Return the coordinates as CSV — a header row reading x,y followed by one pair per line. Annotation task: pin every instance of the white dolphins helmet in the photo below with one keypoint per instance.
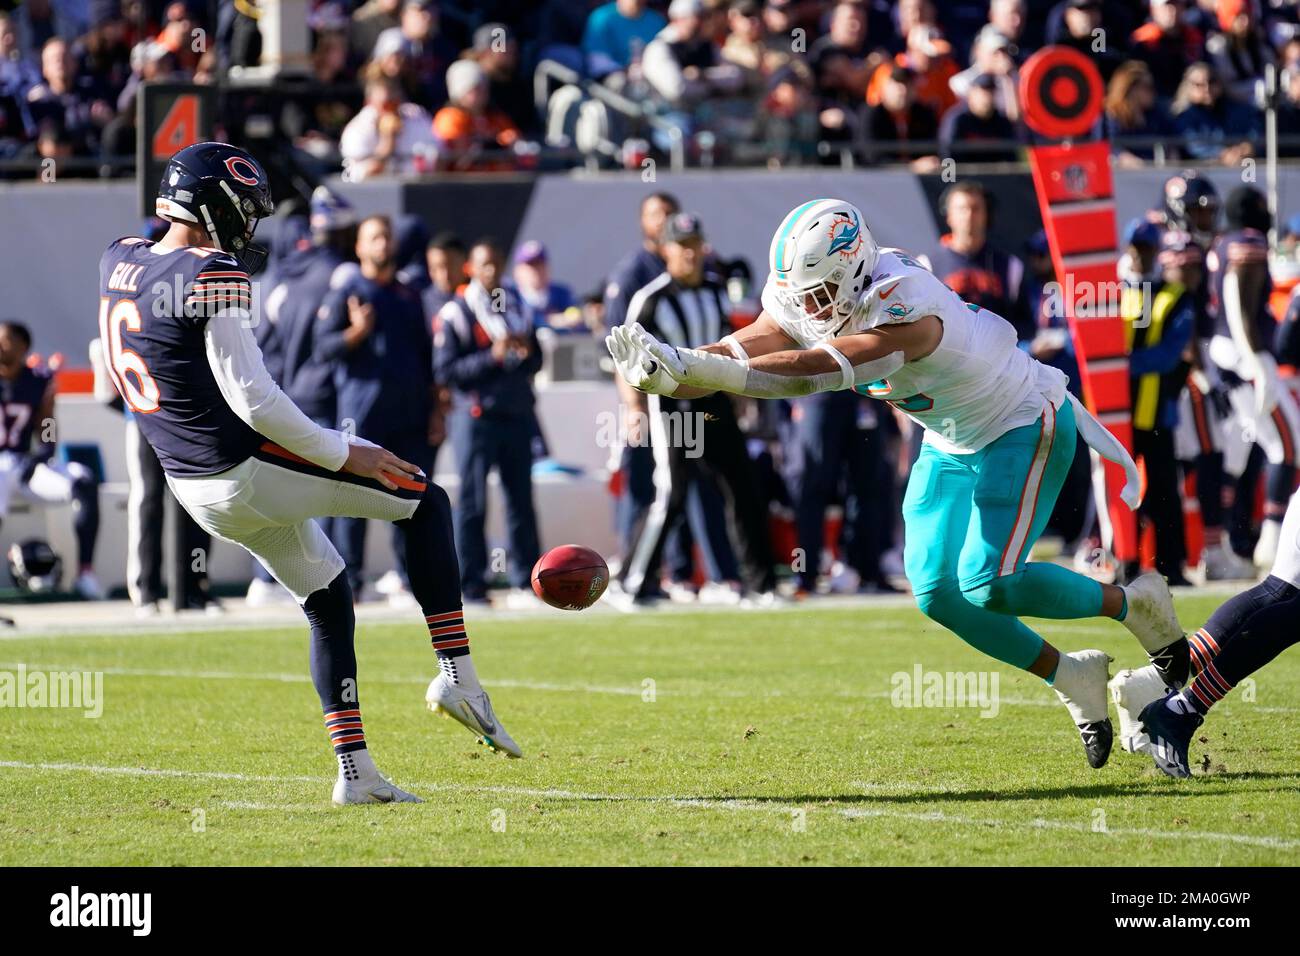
x,y
821,259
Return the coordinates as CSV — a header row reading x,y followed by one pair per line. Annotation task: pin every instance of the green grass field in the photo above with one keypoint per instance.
x,y
770,738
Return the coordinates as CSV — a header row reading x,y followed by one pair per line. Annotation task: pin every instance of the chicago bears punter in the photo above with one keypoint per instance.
x,y
176,318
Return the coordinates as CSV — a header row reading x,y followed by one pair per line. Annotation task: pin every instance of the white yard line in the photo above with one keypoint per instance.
x,y
938,816
1010,700
734,805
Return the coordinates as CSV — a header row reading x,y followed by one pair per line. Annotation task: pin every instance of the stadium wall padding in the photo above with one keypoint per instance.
x,y
52,235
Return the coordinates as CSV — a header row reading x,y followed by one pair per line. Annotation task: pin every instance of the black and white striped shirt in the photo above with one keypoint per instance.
x,y
681,316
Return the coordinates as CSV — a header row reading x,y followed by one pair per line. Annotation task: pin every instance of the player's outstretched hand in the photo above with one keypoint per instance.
x,y
638,368
649,345
371,461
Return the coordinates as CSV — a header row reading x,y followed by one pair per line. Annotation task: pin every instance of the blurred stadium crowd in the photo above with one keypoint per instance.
x,y
419,86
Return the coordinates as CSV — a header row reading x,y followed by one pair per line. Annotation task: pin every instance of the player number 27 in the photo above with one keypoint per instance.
x,y
127,368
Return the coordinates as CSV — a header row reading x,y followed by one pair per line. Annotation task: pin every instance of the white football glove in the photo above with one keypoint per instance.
x,y
666,355
637,366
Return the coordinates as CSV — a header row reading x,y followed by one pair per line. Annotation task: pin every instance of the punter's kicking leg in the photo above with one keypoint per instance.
x,y
302,559
267,505
422,510
938,513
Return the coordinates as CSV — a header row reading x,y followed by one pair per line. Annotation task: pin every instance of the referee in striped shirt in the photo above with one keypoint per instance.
x,y
685,307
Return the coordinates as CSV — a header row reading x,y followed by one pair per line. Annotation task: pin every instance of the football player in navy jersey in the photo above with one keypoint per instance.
x,y
1191,205
27,466
1264,410
176,318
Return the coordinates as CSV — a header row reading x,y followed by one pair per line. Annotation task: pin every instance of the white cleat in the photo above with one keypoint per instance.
x,y
88,586
1081,684
1132,690
1219,563
1270,532
1151,617
360,782
474,710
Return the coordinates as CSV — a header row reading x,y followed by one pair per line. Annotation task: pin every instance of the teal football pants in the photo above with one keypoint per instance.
x,y
970,522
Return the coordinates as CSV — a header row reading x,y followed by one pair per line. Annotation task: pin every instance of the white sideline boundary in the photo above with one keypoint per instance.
x,y
736,805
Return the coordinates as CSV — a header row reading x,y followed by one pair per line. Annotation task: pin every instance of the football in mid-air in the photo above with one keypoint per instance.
x,y
570,577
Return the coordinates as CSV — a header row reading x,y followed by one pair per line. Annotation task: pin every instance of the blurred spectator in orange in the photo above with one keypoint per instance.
x,y
899,118
181,37
928,56
1167,43
1133,111
389,135
470,123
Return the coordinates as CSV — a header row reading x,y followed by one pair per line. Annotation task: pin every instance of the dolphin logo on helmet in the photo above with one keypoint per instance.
x,y
822,257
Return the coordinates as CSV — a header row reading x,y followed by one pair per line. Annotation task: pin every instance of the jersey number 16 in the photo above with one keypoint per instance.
x,y
127,369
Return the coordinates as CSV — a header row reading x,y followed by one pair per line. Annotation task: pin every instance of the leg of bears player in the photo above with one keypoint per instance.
x,y
267,505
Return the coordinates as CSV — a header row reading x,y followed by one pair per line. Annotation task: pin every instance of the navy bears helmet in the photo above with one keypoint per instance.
x,y
222,190
1192,205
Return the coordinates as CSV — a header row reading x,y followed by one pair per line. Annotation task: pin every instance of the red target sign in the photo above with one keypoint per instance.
x,y
1061,92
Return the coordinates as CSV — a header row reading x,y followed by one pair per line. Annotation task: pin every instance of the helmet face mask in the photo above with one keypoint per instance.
x,y
222,190
822,256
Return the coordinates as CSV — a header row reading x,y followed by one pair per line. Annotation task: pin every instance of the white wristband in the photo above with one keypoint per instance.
x,y
738,350
846,367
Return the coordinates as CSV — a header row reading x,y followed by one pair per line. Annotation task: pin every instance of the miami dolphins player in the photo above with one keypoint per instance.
x,y
839,312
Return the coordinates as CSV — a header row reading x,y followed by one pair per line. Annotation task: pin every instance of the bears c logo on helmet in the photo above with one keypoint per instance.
x,y
249,176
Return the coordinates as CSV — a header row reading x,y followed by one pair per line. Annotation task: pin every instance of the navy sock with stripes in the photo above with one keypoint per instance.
x,y
1241,637
434,573
334,663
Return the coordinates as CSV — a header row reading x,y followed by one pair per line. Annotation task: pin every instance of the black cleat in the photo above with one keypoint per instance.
x,y
1170,734
1097,740
1174,663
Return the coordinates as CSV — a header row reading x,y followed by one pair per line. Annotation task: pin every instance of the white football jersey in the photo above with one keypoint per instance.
x,y
974,387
